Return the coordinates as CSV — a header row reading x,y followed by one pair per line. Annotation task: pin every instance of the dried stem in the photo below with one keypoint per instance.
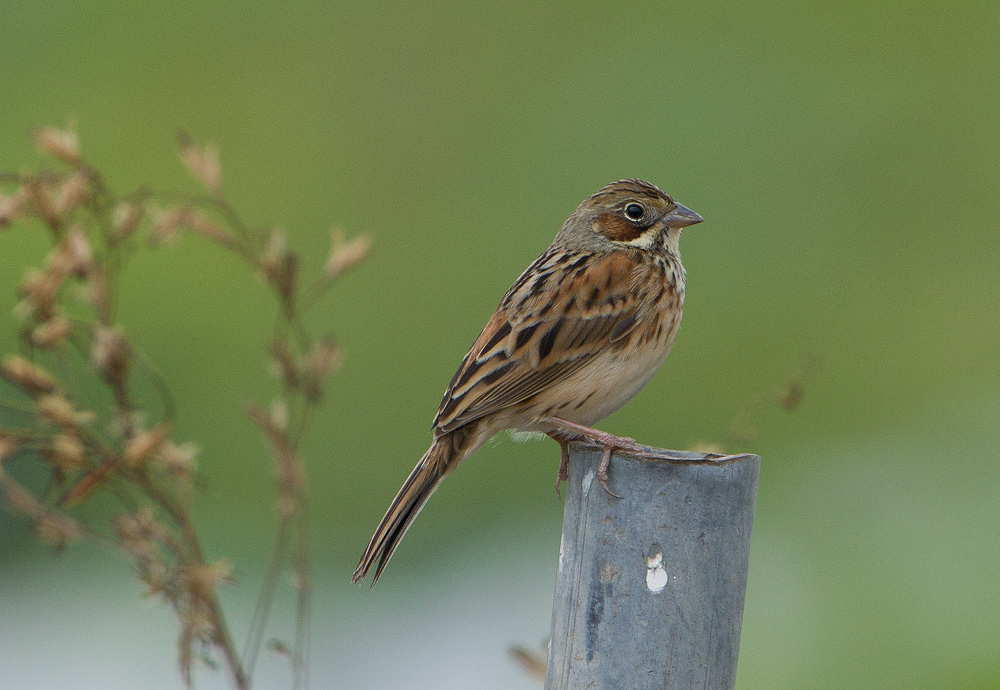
x,y
67,318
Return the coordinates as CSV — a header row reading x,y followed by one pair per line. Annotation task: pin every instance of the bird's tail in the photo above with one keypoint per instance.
x,y
403,510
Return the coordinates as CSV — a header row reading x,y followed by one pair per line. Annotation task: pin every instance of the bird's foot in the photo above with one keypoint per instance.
x,y
609,442
563,474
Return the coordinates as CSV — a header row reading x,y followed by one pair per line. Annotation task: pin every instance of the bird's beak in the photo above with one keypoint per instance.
x,y
681,217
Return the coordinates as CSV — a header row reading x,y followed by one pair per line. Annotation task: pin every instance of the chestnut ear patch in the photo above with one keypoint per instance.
x,y
616,228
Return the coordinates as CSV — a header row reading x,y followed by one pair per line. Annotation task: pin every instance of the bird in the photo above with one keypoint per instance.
x,y
578,334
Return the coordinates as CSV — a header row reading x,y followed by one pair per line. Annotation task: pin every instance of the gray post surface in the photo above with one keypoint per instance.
x,y
650,586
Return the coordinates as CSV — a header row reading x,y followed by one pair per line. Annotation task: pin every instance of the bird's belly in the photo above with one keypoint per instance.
x,y
599,389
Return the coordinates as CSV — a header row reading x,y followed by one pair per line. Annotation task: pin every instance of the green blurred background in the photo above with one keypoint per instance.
x,y
845,157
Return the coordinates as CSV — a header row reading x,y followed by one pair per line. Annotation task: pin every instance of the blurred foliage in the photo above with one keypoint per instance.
x,y
843,155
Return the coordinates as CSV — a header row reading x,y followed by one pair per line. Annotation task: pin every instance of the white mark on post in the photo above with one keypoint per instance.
x,y
588,479
656,574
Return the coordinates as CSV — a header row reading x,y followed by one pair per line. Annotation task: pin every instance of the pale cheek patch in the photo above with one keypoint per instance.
x,y
647,240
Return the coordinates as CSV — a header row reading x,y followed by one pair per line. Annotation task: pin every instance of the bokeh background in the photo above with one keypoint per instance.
x,y
845,157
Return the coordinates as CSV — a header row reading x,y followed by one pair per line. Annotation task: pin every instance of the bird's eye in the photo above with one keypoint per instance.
x,y
634,211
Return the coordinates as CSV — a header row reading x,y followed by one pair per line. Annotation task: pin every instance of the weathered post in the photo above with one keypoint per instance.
x,y
651,585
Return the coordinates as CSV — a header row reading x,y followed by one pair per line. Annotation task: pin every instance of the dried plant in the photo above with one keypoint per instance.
x,y
118,447
787,396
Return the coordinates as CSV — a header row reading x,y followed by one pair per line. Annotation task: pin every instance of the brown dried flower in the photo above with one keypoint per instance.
x,y
8,446
62,144
40,289
167,224
178,460
201,162
67,452
41,200
56,410
323,360
95,292
143,446
110,354
285,366
73,192
51,334
57,530
19,499
204,226
203,579
125,219
10,207
26,375
76,253
137,531
345,255
278,264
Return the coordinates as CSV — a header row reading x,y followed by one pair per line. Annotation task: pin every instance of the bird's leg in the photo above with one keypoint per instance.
x,y
609,442
602,471
571,431
563,474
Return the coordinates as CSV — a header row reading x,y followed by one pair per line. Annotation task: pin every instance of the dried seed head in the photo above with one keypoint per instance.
x,y
9,445
40,289
20,500
287,467
62,144
285,366
67,452
143,446
95,292
167,224
204,579
24,309
125,219
51,334
127,423
279,265
201,162
323,360
27,376
179,460
279,415
345,255
72,193
155,578
41,201
56,410
10,207
57,530
76,253
202,225
110,354
138,529
138,533
275,251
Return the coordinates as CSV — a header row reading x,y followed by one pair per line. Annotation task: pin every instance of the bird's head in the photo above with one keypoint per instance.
x,y
629,213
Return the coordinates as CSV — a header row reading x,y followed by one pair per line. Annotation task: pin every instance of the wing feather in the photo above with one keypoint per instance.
x,y
541,333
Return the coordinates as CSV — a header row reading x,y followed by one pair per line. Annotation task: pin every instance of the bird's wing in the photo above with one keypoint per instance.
x,y
564,310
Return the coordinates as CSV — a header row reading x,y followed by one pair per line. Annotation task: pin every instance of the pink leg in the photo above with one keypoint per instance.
x,y
608,441
563,474
602,471
611,443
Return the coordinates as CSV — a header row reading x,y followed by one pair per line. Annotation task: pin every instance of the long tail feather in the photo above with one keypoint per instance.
x,y
403,510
